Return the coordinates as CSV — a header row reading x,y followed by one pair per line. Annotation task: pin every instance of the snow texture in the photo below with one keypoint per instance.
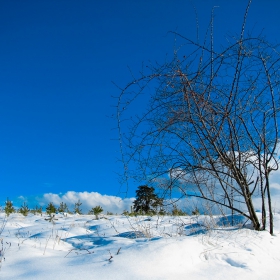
x,y
119,247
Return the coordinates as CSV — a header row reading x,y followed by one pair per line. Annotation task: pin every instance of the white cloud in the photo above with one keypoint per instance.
x,y
110,203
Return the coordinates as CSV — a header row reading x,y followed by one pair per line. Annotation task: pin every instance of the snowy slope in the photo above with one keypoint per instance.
x,y
118,247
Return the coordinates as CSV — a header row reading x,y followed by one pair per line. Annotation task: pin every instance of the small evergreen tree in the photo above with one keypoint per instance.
x,y
177,212
24,209
147,201
161,211
97,210
50,209
62,207
36,210
125,213
196,212
9,208
77,208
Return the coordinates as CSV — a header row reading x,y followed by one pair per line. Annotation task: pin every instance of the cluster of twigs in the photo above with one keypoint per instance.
x,y
211,127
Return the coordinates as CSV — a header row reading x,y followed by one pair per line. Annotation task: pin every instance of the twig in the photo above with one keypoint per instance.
x,y
110,259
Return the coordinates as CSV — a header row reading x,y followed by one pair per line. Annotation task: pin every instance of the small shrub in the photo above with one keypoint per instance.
x,y
97,210
177,212
151,213
37,210
24,209
131,214
51,209
162,212
9,208
125,213
62,208
77,208
195,212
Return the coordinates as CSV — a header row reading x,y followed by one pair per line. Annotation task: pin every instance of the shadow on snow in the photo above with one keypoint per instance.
x,y
221,222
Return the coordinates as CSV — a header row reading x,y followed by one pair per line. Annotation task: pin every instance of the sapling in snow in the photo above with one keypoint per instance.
x,y
97,210
62,208
24,209
9,208
77,208
51,209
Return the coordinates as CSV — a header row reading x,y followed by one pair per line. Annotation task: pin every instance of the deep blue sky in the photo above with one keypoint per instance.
x,y
57,61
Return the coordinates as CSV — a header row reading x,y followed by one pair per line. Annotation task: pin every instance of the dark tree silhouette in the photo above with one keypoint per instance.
x,y
146,200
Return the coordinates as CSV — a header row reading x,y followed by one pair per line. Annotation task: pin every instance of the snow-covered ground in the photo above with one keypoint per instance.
x,y
119,247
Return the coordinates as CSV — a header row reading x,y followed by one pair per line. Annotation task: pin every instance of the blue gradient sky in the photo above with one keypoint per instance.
x,y
57,61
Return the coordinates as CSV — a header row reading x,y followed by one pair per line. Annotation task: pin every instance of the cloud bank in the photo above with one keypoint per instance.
x,y
109,203
117,205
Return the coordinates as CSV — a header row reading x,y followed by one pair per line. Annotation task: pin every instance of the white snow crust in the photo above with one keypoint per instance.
x,y
120,247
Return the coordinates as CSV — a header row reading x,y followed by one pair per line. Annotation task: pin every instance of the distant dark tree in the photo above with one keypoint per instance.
x,y
146,200
50,209
9,208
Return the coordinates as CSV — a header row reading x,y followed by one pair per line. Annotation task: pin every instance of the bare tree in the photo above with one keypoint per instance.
x,y
211,127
